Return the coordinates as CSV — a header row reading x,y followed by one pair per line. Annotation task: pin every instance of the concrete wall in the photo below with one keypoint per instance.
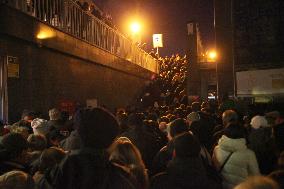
x,y
62,67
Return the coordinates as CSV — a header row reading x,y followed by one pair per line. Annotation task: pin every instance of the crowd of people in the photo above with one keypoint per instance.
x,y
163,141
92,9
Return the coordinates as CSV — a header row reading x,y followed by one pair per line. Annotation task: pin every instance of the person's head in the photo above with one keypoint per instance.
x,y
16,180
125,153
186,145
50,157
27,115
135,120
229,116
234,131
14,147
122,121
258,122
54,114
163,127
176,127
37,142
54,137
64,116
258,182
195,106
39,126
97,127
193,116
24,131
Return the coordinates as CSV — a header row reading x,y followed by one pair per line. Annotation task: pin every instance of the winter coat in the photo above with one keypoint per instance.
x,y
279,136
73,142
89,168
6,166
261,142
183,173
162,158
240,165
145,141
203,129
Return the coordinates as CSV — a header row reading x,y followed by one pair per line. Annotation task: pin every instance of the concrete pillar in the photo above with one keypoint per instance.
x,y
193,74
224,47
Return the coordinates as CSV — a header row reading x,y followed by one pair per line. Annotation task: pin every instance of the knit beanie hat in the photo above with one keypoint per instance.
x,y
258,121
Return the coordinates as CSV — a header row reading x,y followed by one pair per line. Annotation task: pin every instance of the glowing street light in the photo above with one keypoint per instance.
x,y
212,55
135,27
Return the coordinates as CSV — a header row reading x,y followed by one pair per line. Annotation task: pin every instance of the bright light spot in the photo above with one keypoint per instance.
x,y
212,55
45,33
135,27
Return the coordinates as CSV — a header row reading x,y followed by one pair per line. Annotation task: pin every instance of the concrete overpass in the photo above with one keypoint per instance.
x,y
54,53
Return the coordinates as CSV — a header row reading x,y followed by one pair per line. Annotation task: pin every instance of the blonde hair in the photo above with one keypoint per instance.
x,y
16,180
127,156
122,151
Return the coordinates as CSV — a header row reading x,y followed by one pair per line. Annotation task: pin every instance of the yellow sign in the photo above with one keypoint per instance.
x,y
13,67
157,40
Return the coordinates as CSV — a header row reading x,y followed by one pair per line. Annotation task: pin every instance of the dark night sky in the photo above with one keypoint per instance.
x,y
168,17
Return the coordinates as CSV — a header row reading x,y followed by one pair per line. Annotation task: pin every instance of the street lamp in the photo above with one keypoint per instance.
x,y
212,55
135,27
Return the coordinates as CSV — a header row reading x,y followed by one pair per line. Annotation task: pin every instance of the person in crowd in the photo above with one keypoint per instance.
x,y
24,131
192,117
232,157
16,180
261,142
26,119
162,158
55,122
13,153
36,144
45,177
54,138
39,126
258,182
195,107
278,131
142,138
229,116
122,120
89,167
206,127
72,142
278,174
125,155
185,170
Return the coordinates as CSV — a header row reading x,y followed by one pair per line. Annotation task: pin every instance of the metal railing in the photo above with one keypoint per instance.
x,y
69,17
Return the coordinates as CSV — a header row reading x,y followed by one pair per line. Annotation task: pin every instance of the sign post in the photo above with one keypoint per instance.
x,y
157,41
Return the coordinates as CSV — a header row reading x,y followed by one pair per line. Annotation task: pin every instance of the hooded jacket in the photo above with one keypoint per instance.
x,y
182,173
240,165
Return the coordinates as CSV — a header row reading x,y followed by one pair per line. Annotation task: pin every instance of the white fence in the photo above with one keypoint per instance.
x,y
68,16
